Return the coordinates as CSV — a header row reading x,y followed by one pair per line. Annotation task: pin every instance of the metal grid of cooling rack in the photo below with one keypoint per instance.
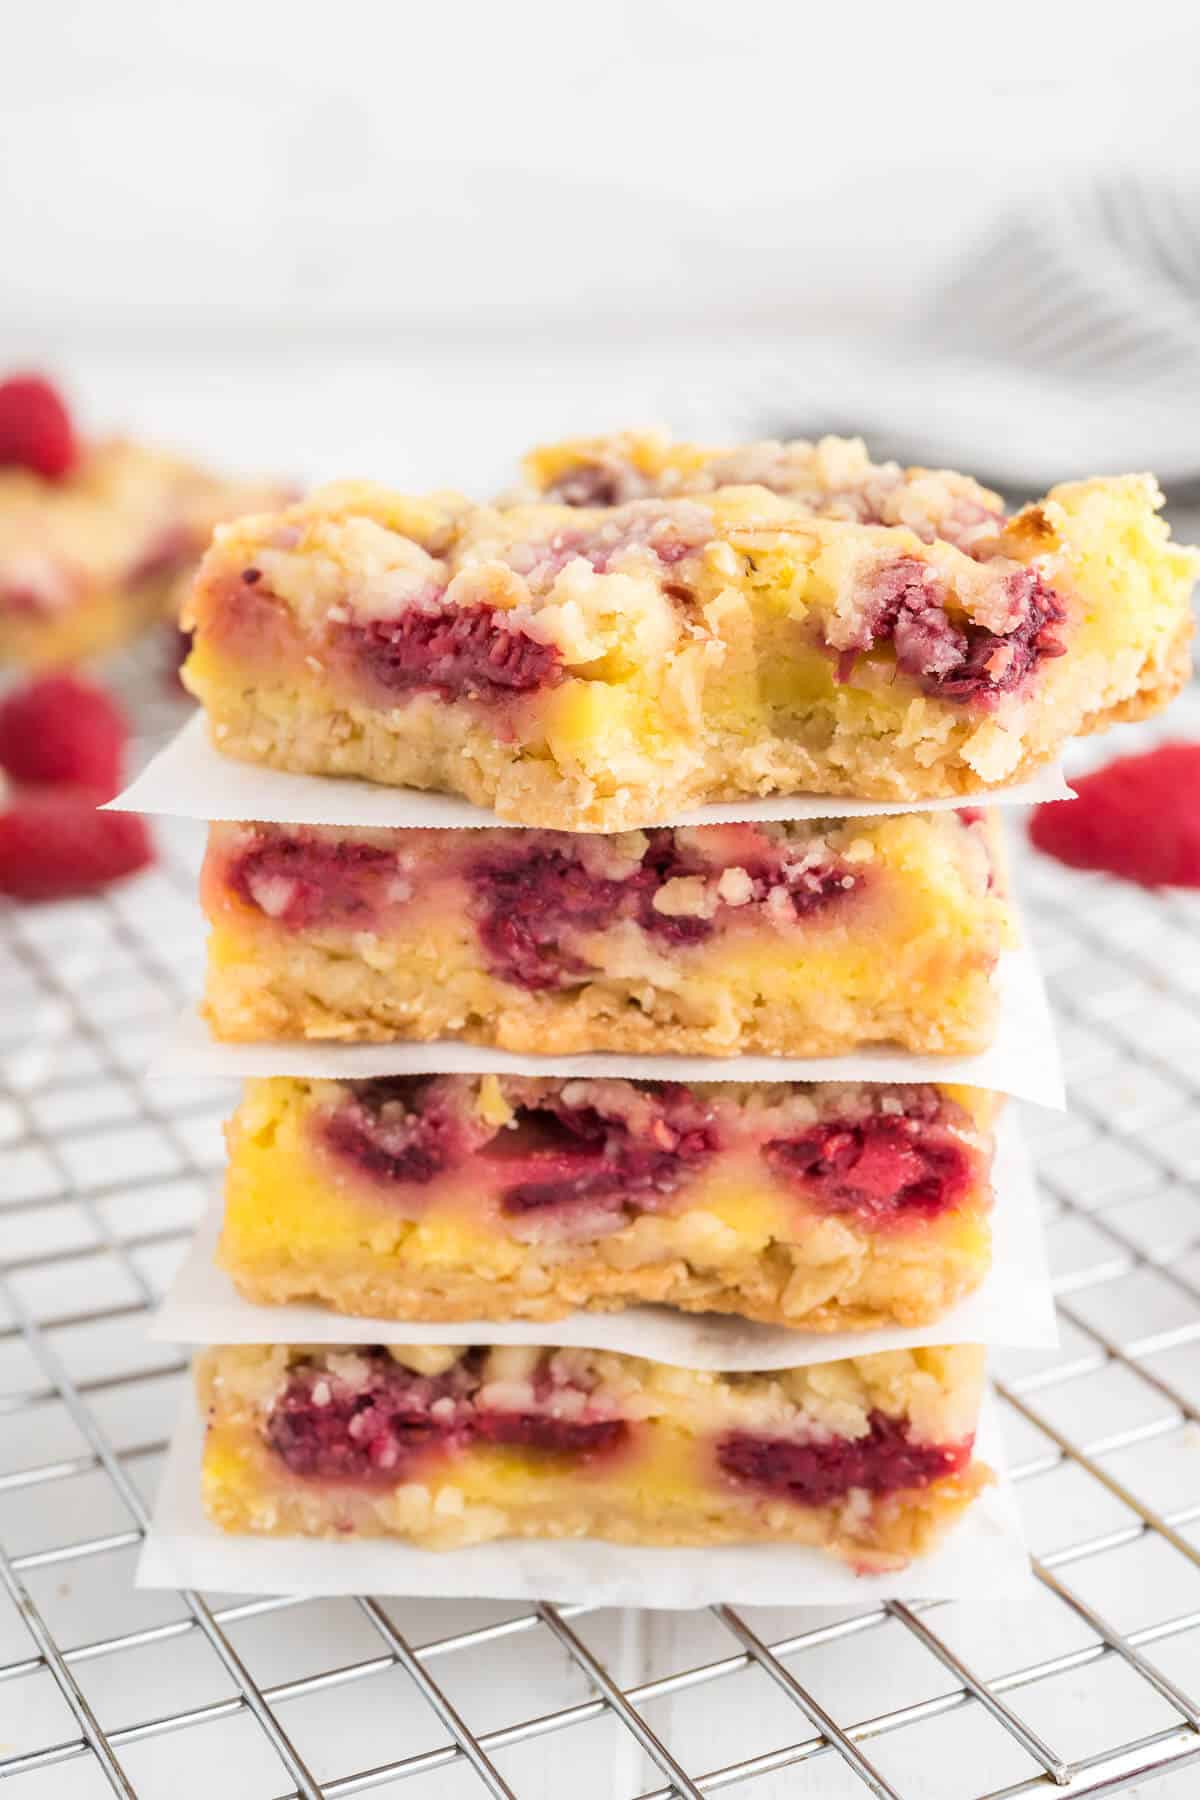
x,y
1085,1683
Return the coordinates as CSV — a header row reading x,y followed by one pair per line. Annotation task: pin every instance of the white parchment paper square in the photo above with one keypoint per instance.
x,y
1013,1306
1022,1059
984,1555
189,779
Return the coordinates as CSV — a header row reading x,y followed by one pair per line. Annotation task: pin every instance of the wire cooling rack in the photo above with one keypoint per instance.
x,y
1083,1683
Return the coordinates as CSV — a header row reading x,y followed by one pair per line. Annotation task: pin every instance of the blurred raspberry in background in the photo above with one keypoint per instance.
x,y
62,752
1138,817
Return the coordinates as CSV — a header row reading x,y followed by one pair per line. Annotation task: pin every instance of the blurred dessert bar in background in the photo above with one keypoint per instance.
x,y
96,538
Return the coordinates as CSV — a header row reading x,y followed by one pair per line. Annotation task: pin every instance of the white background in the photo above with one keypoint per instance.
x,y
405,239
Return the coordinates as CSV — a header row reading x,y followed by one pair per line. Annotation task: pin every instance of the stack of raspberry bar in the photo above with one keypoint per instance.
x,y
641,631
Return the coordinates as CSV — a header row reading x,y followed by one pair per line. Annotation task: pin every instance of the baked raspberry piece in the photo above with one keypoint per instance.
x,y
869,1458
906,606
653,628
1138,818
822,1470
373,1422
889,1168
807,938
400,1129
528,904
813,1205
586,1148
371,1418
580,1439
468,650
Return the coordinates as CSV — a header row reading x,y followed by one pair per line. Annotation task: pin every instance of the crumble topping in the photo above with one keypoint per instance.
x,y
833,478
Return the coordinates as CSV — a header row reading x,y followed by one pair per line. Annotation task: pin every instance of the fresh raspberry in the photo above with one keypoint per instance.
x,y
54,844
61,729
35,427
1138,817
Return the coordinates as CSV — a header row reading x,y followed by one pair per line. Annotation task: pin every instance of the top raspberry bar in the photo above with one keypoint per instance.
x,y
657,626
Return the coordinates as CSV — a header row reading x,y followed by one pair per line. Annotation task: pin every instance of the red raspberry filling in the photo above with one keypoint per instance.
x,y
324,1426
397,1128
589,1171
304,881
821,1471
455,652
882,1169
582,1438
528,905
1139,818
382,1431
661,863
951,662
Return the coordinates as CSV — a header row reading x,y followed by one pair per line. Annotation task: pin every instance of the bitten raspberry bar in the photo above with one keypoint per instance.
x,y
822,1206
596,666
798,939
870,1457
95,553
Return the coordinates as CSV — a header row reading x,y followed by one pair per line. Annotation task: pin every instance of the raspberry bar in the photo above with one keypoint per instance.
x,y
870,1458
861,631
807,938
95,553
822,1206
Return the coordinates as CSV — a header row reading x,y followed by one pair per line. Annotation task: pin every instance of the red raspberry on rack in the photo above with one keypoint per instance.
x,y
54,844
35,427
1138,817
61,729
